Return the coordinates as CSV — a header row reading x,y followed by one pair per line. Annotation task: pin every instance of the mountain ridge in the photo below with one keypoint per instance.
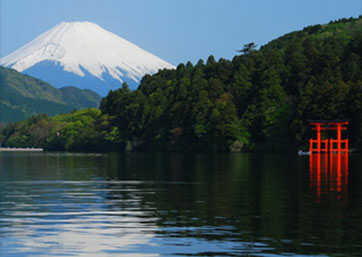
x,y
85,53
22,96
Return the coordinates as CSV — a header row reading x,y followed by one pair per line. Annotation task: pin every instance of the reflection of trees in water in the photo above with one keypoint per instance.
x,y
249,198
215,197
137,200
188,190
227,197
50,166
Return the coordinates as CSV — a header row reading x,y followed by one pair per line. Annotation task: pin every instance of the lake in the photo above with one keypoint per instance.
x,y
137,204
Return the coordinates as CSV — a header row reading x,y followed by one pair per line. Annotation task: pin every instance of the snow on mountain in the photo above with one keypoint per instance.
x,y
85,55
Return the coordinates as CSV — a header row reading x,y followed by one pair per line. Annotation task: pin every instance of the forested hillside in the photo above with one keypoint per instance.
x,y
261,99
22,96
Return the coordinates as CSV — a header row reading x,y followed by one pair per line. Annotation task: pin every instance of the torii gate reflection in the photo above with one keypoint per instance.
x,y
329,174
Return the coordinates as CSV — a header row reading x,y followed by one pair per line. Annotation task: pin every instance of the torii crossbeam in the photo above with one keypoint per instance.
x,y
332,145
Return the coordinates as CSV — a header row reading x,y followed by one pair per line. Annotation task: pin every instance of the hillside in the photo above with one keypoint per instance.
x,y
259,100
22,96
262,99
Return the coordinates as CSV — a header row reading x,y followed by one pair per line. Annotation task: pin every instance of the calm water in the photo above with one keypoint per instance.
x,y
58,204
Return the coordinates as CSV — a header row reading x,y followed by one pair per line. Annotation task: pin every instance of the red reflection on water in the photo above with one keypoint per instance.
x,y
328,175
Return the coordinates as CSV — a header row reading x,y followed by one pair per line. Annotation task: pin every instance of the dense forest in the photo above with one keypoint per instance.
x,y
260,100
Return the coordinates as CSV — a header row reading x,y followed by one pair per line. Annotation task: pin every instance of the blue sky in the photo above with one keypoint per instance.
x,y
175,30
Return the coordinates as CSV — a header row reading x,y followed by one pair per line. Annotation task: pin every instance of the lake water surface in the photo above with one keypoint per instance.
x,y
62,204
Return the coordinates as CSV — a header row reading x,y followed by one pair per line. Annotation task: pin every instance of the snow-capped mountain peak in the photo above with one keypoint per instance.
x,y
71,51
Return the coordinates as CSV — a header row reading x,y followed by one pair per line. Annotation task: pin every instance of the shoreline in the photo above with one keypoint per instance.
x,y
27,149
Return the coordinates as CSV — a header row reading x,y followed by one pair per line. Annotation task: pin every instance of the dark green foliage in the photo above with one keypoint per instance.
x,y
22,96
260,97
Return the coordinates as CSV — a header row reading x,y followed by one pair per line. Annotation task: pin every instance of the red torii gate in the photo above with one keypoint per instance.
x,y
325,145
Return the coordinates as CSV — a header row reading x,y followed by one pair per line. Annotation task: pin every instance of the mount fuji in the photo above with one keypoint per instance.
x,y
84,55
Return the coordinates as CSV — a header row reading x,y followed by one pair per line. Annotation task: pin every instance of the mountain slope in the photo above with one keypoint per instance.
x,y
79,98
22,96
84,55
